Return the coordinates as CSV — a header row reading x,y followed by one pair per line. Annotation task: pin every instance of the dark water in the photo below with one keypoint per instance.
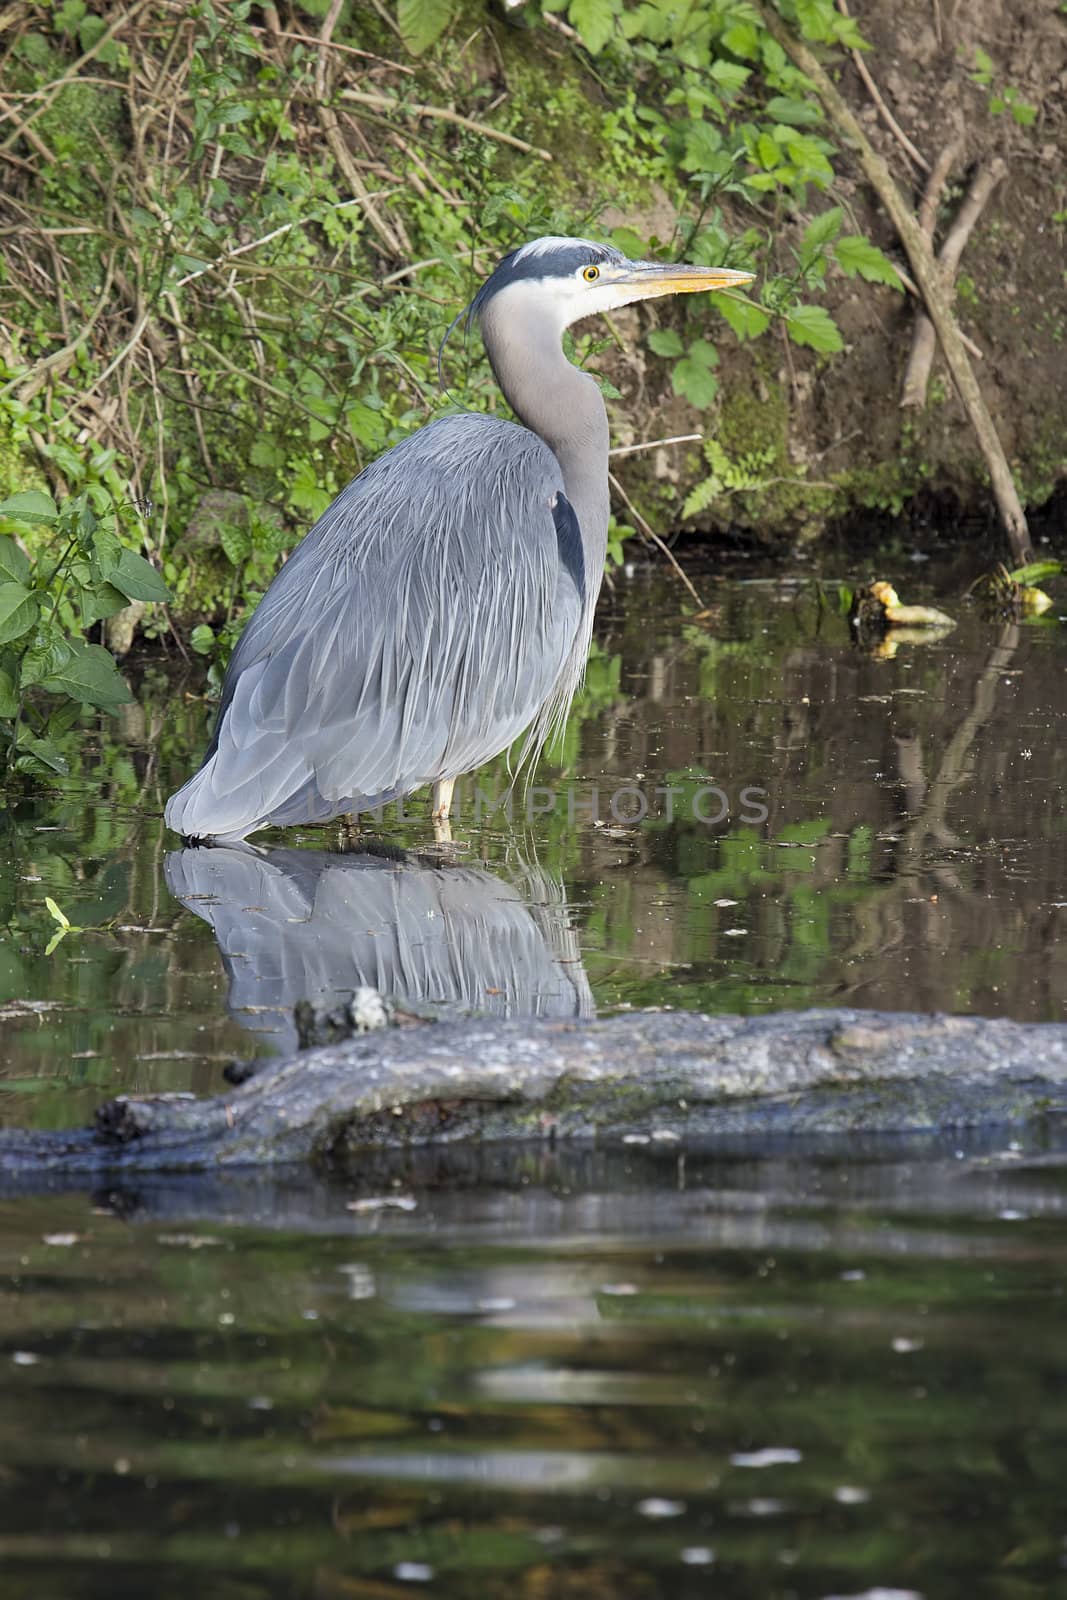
x,y
775,1372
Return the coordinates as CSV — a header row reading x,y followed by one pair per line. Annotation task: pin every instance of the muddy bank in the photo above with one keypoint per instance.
x,y
655,1078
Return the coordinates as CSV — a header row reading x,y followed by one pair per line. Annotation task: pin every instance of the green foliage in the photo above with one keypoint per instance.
x,y
63,569
236,326
728,475
1001,99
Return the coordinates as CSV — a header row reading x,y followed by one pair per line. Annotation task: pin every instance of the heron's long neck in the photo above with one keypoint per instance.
x,y
564,406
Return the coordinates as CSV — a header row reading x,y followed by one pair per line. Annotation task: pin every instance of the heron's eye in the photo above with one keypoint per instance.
x,y
591,274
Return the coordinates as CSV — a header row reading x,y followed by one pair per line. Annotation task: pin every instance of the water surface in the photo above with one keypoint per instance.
x,y
749,812
776,1371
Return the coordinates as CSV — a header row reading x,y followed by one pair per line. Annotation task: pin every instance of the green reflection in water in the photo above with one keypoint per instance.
x,y
913,854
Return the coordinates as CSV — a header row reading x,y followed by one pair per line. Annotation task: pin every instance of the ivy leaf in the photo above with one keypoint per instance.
x,y
665,342
92,677
422,22
14,567
595,21
815,327
29,505
136,578
747,319
18,611
693,378
857,254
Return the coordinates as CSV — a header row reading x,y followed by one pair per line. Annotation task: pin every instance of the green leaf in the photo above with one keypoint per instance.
x,y
236,542
693,377
595,21
367,425
202,639
816,18
814,326
44,753
806,154
422,22
856,254
665,342
48,654
702,145
29,505
742,39
136,578
9,700
18,611
265,453
100,600
729,76
796,113
768,152
92,677
14,566
60,916
747,319
821,230
1036,572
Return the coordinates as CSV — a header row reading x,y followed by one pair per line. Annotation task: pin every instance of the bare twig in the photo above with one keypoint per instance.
x,y
332,44
913,155
923,344
187,373
28,383
650,533
654,444
31,135
276,233
388,102
392,237
928,277
935,184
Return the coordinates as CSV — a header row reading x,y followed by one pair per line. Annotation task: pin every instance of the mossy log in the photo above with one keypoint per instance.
x,y
651,1077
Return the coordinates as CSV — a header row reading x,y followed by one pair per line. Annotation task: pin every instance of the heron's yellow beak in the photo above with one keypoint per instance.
x,y
644,280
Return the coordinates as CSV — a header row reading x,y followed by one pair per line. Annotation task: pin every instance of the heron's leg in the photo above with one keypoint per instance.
x,y
442,831
442,799
348,826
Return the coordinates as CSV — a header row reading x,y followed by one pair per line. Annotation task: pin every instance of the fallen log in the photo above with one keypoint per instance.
x,y
649,1078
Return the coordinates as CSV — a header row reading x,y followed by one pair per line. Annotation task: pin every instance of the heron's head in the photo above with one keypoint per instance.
x,y
558,281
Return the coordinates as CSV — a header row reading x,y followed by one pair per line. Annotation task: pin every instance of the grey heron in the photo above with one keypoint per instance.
x,y
443,604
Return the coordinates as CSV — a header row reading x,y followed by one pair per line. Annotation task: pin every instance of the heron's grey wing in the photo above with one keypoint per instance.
x,y
419,628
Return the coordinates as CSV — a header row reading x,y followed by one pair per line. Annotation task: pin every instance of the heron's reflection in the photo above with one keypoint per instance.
x,y
309,925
